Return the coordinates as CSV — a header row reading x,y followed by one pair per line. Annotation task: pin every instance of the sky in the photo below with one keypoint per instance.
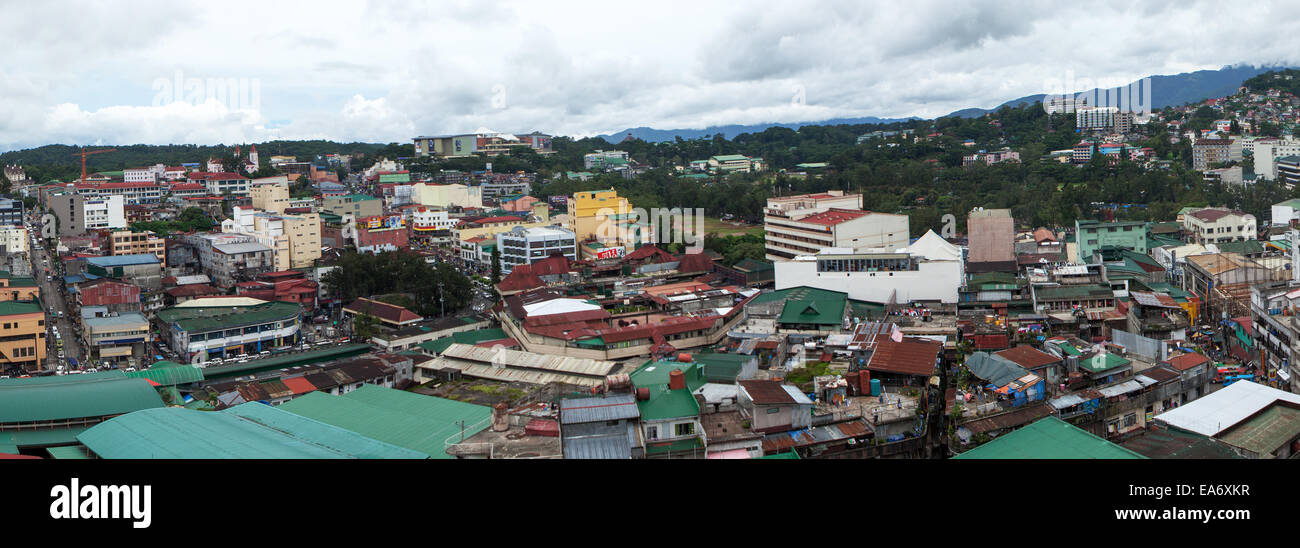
x,y
174,71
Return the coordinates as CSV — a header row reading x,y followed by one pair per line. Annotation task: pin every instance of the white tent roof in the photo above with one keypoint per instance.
x,y
559,306
933,247
1216,412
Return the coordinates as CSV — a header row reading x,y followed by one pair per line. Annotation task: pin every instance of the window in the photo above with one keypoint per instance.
x,y
652,432
772,410
1130,420
684,429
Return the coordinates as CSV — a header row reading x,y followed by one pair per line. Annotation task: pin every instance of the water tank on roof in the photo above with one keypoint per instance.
x,y
684,357
875,387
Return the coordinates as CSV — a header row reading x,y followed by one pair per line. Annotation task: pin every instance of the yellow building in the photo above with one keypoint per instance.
x,y
22,334
600,215
18,289
270,194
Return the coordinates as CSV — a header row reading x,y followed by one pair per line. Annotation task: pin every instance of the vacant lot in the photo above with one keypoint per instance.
x,y
727,228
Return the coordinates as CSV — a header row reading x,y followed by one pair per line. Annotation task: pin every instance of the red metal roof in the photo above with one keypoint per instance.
x,y
910,357
520,278
833,217
767,392
1028,357
299,385
1187,361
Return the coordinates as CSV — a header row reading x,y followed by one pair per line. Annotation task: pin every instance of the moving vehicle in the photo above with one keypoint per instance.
x,y
1224,372
1229,380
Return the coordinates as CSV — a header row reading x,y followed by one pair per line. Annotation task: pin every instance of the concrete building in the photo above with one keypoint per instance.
x,y
221,183
143,269
204,329
77,214
357,205
1215,225
230,258
1266,154
595,215
806,224
447,196
1211,151
11,212
992,241
929,270
125,242
1095,117
295,240
1284,213
13,240
528,245
604,159
115,337
1091,236
270,194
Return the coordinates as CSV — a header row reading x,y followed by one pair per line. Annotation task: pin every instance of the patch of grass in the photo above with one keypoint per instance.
x,y
803,376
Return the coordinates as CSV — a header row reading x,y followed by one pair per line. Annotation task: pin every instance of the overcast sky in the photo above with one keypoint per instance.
x,y
382,71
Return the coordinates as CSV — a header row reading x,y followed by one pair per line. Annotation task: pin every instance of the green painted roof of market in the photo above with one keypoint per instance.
x,y
285,360
439,346
246,431
816,310
1049,438
73,399
665,403
169,376
414,421
208,318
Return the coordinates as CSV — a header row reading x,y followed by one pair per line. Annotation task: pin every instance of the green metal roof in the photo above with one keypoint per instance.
x,y
8,308
1103,362
1074,292
285,360
169,376
202,319
246,431
1246,247
69,452
46,437
782,456
465,337
814,311
359,197
1049,438
665,403
690,444
414,421
64,379
96,397
720,368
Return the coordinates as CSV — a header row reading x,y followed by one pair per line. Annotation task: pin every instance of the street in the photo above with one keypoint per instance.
x,y
52,298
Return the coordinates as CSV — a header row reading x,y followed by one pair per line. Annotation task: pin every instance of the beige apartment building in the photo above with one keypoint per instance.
x,y
270,194
125,242
1214,225
293,239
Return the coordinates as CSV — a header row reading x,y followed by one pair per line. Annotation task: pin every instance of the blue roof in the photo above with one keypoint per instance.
x,y
124,260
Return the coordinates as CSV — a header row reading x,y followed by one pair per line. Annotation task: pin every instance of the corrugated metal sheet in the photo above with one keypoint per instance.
x,y
604,447
170,376
529,360
609,408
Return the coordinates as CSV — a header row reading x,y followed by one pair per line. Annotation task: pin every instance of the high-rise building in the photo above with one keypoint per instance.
x,y
806,224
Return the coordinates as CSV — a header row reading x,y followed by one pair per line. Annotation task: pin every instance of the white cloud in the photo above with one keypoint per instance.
x,y
387,70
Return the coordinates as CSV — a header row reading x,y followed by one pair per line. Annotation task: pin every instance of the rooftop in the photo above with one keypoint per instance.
x,y
1049,438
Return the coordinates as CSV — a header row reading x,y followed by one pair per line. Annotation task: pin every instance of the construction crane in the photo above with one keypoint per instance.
x,y
83,154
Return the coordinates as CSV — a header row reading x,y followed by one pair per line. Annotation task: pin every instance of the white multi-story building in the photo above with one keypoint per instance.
x,y
13,240
150,174
809,223
222,183
1095,117
603,158
1064,104
528,245
929,270
1267,152
1216,224
104,212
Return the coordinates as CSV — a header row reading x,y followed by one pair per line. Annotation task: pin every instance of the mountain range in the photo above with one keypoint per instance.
x,y
1166,90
